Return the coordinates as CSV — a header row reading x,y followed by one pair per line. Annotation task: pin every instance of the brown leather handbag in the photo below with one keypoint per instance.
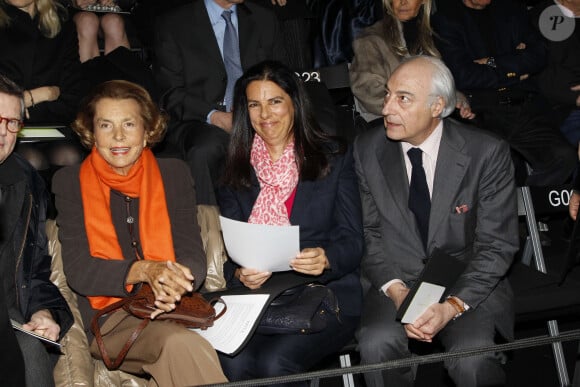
x,y
193,311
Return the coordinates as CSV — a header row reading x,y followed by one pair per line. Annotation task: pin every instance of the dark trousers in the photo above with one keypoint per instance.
x,y
203,147
39,362
276,355
526,126
381,338
11,362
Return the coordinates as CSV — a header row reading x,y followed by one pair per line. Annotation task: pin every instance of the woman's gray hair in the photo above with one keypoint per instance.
x,y
442,83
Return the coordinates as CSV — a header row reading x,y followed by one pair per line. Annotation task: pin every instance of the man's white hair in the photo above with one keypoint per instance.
x,y
442,82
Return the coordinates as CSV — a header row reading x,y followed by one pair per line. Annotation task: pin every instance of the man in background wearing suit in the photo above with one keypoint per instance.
x,y
494,53
193,75
469,211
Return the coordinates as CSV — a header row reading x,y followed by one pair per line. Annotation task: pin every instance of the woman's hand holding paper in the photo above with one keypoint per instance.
x,y
252,278
311,261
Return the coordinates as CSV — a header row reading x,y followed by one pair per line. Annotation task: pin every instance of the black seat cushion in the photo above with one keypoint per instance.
x,y
540,296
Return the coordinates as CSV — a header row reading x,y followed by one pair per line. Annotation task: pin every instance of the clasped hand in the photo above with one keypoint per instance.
x,y
428,324
168,280
311,261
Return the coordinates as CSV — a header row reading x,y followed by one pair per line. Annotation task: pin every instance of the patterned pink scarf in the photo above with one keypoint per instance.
x,y
277,182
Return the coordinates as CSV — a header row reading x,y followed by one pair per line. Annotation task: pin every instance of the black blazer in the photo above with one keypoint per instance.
x,y
328,212
189,68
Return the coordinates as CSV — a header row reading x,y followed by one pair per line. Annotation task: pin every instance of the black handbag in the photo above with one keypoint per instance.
x,y
300,310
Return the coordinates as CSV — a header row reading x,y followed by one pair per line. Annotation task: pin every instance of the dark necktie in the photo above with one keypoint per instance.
x,y
419,200
231,58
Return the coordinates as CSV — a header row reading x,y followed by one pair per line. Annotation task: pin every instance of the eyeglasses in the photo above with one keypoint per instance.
x,y
12,124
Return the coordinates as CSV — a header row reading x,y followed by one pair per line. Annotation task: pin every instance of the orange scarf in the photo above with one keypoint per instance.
x,y
144,181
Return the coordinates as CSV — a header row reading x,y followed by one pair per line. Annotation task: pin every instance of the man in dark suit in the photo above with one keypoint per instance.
x,y
494,52
560,79
468,182
192,77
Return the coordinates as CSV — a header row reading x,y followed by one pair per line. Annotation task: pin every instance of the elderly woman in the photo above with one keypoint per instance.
x,y
404,30
281,169
126,218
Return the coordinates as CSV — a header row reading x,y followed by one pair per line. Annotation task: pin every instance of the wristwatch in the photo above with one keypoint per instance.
x,y
491,62
457,306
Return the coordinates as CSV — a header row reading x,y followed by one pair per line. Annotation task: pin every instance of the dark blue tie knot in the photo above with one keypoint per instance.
x,y
416,157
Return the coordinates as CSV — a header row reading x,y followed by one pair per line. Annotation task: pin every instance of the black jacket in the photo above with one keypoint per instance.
x,y
460,42
32,60
34,289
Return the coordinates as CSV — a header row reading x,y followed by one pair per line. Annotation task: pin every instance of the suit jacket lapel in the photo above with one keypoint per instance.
x,y
396,182
452,163
200,18
304,192
246,28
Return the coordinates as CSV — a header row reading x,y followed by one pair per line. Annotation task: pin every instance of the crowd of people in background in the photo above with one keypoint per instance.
x,y
480,90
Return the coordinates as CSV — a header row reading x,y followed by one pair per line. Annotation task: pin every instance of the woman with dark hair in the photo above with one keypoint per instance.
x,y
126,218
282,169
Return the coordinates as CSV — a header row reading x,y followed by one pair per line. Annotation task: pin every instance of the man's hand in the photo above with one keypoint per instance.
x,y
281,3
222,119
311,261
252,278
481,60
574,204
43,324
397,292
435,318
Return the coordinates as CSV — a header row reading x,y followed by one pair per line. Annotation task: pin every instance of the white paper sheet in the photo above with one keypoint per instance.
x,y
230,331
259,246
426,295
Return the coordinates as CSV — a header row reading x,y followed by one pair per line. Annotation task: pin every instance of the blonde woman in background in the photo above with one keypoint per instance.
x,y
404,30
40,54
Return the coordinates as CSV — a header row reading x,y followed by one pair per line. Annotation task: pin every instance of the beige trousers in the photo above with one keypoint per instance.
x,y
173,355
